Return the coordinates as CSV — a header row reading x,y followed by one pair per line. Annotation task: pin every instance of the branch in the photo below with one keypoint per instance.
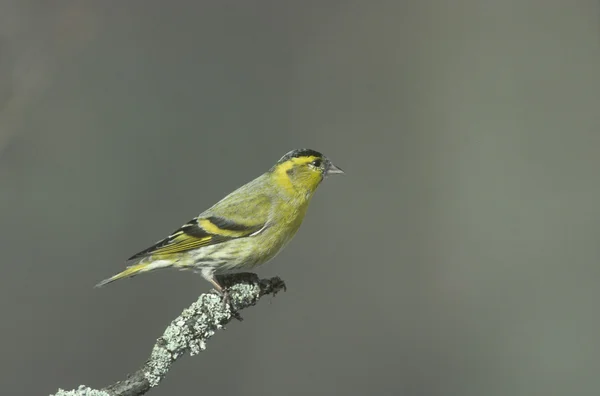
x,y
189,333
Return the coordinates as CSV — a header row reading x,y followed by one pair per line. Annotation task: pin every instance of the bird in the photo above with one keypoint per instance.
x,y
246,228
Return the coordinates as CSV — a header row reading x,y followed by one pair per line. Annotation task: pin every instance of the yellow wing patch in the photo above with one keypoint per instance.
x,y
208,226
198,233
180,242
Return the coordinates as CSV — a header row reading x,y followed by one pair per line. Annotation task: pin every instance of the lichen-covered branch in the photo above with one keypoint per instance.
x,y
189,333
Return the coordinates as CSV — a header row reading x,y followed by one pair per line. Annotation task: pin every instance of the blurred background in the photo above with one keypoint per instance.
x,y
458,256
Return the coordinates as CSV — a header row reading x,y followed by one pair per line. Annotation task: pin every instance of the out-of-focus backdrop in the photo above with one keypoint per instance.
x,y
458,256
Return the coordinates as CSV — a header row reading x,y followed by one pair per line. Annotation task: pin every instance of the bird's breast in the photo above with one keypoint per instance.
x,y
277,234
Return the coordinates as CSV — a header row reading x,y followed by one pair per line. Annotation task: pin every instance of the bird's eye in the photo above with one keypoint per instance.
x,y
316,163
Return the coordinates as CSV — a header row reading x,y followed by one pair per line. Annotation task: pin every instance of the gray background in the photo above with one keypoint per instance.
x,y
459,256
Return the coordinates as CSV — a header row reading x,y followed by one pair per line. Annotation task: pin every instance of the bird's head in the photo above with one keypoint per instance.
x,y
302,170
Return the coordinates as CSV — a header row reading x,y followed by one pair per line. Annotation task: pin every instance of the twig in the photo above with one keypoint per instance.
x,y
189,333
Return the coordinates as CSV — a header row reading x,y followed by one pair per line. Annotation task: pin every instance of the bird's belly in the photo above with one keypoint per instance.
x,y
237,255
264,249
244,254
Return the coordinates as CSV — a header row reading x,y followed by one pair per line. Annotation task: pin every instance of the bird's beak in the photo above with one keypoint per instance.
x,y
333,170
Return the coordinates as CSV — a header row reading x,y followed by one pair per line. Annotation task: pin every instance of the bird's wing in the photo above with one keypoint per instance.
x,y
231,218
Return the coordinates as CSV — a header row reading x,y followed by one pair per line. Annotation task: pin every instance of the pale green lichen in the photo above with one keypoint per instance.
x,y
196,324
81,391
190,331
245,295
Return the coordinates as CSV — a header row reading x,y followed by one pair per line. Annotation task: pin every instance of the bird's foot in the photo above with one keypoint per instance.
x,y
227,303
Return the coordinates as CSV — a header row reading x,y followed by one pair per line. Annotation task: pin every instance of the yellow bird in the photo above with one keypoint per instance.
x,y
245,229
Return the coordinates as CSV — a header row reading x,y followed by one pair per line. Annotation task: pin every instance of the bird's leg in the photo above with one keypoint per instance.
x,y
224,292
209,276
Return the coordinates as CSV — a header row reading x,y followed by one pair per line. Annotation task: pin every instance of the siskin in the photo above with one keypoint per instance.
x,y
245,229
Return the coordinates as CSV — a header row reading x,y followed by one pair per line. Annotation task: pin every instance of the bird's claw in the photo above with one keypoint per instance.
x,y
227,302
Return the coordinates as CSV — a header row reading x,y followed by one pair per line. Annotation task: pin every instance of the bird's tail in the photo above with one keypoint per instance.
x,y
132,271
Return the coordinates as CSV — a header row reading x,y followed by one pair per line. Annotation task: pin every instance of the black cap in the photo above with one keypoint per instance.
x,y
300,153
